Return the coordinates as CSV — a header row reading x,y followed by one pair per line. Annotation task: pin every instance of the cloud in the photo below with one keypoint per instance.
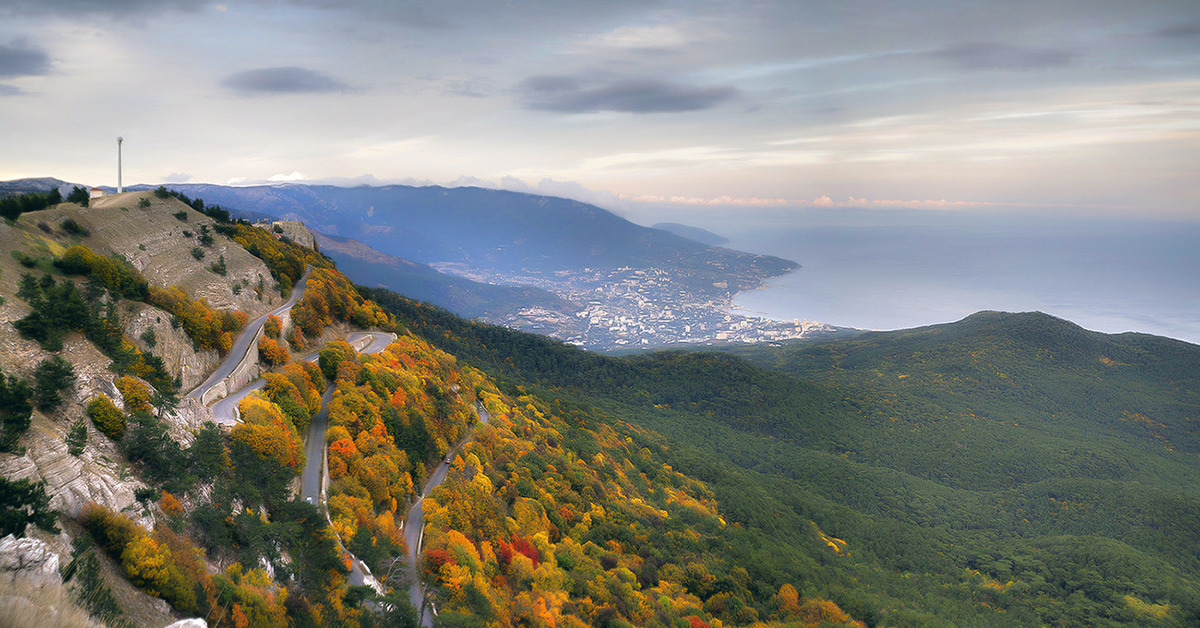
x,y
8,90
287,178
97,7
993,56
283,80
20,59
566,94
177,177
1180,31
659,37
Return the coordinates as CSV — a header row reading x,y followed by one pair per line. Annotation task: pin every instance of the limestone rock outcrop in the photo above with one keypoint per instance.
x,y
34,558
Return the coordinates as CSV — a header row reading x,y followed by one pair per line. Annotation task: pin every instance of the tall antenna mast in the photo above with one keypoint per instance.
x,y
120,188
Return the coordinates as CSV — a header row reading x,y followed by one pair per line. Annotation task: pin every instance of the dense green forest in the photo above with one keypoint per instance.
x,y
1004,470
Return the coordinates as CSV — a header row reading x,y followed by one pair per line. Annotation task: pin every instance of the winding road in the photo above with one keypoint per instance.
x,y
225,412
241,344
414,525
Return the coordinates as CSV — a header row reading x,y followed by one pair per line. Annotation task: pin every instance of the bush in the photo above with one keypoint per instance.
x,y
143,203
197,253
106,416
74,228
111,530
181,215
218,267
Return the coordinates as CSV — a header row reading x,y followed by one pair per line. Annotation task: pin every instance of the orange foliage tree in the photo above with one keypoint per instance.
x,y
271,352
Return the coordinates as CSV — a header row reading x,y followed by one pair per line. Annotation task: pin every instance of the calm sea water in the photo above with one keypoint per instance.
x,y
1105,276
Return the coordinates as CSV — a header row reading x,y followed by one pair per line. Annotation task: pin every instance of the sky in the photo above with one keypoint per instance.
x,y
1013,105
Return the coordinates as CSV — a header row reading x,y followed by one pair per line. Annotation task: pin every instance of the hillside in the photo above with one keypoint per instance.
x,y
991,458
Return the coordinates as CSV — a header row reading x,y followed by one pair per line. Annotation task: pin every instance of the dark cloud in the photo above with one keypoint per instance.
x,y
993,56
128,8
286,80
8,90
18,59
1181,31
567,94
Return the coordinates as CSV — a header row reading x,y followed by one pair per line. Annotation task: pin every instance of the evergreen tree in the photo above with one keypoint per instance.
x,y
23,502
52,376
78,195
15,411
77,438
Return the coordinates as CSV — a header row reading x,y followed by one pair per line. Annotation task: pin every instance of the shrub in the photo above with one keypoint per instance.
x,y
23,502
74,228
144,203
218,267
162,192
170,505
106,416
111,530
197,253
181,215
135,393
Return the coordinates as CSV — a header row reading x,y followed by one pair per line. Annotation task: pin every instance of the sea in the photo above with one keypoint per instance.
x,y
884,272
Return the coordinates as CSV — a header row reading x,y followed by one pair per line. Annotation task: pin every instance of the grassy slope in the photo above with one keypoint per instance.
x,y
1019,446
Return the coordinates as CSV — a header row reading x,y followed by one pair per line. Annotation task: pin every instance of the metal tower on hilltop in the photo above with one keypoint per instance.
x,y
120,188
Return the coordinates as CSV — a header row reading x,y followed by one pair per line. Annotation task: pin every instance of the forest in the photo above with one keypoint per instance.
x,y
1038,474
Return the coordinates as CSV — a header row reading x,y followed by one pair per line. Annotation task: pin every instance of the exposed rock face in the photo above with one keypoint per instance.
x,y
295,231
72,482
32,557
189,623
172,345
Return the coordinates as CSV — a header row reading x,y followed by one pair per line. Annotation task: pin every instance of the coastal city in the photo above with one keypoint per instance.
x,y
642,308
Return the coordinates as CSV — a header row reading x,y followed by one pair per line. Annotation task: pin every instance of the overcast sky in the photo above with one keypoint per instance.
x,y
1025,104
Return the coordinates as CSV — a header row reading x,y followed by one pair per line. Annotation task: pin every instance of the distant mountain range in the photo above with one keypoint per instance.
x,y
469,299
703,236
39,184
490,229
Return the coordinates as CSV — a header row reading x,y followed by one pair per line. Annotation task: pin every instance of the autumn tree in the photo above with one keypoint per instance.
x,y
135,394
107,417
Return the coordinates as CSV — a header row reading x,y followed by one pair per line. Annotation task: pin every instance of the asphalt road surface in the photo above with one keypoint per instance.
x,y
414,525
314,447
241,344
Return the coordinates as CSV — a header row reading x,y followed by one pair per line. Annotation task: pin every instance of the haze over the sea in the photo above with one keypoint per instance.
x,y
1110,276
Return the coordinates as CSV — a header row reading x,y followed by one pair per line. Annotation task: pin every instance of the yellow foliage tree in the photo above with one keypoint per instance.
x,y
135,393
